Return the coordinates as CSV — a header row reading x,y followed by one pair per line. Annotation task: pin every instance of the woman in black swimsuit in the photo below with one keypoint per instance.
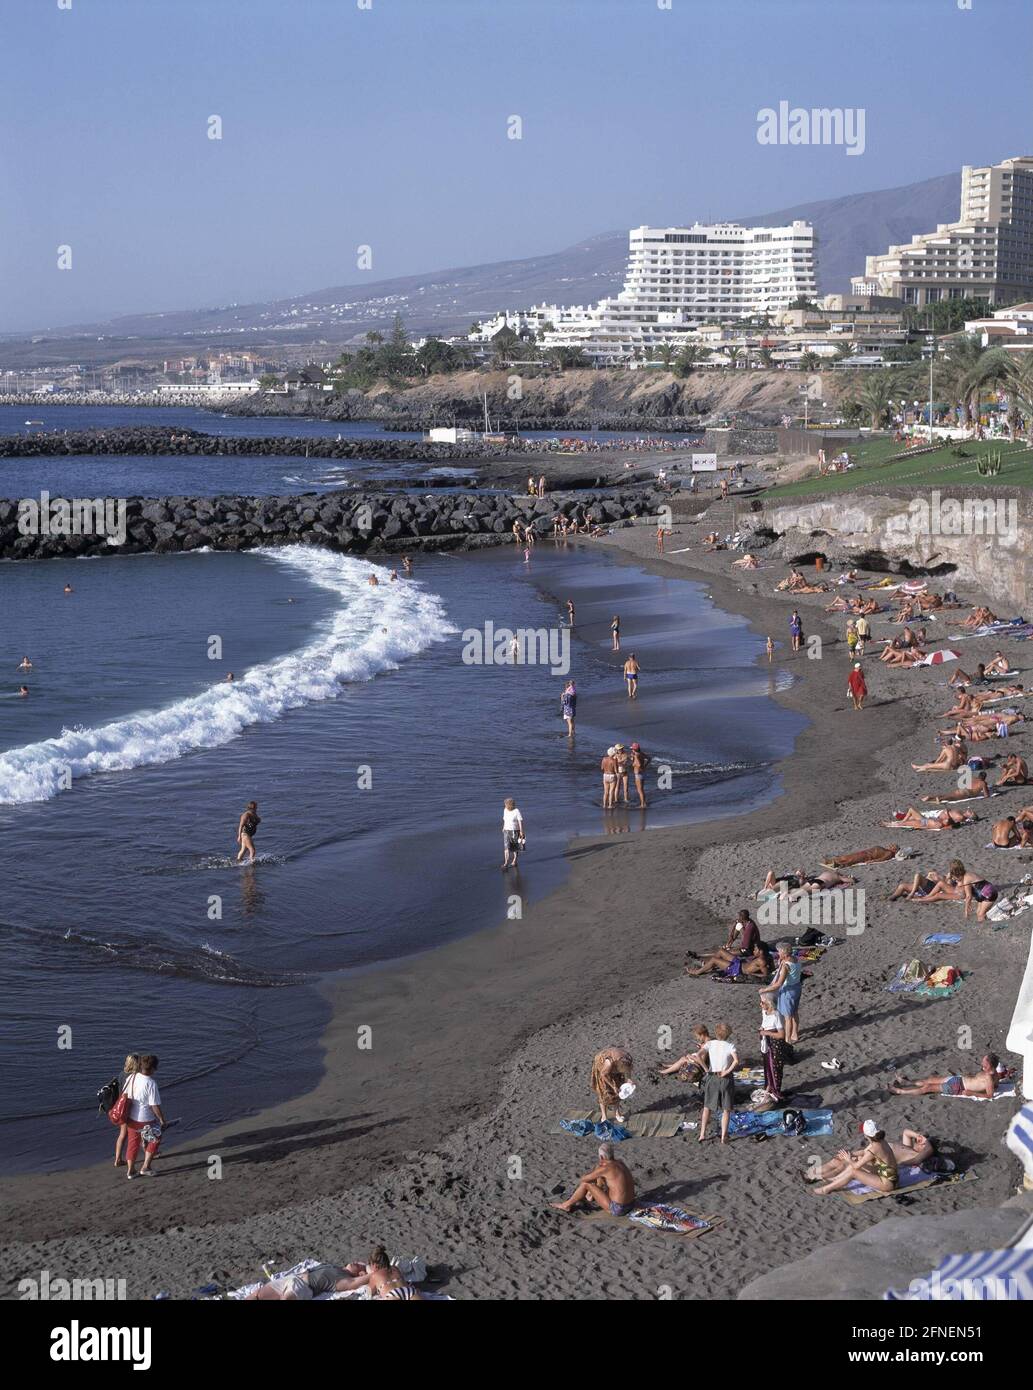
x,y
249,823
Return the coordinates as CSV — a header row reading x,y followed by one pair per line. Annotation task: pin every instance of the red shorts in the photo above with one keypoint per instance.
x,y
133,1141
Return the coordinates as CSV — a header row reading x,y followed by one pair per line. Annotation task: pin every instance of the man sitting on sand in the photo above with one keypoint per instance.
x,y
949,758
983,1084
979,617
1005,833
997,665
609,1185
913,1148
878,854
743,944
1014,772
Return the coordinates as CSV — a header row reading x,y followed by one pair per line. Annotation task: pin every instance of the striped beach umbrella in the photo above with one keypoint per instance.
x,y
983,1276
939,657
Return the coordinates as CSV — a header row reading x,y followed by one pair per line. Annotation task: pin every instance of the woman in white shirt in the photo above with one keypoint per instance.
x,y
146,1117
721,1058
512,833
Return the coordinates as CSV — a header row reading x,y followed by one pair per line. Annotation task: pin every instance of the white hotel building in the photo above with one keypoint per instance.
x,y
682,277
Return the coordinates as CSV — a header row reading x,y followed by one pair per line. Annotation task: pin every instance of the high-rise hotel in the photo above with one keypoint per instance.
x,y
679,278
986,254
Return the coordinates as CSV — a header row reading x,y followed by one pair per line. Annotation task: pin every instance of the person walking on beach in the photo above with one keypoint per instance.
x,y
631,670
864,630
795,630
851,639
130,1066
615,632
512,833
568,703
246,830
722,1058
608,767
639,762
660,533
770,647
146,1117
856,686
570,612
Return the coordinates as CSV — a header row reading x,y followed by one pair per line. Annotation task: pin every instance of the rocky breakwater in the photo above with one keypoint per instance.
x,y
159,440
354,522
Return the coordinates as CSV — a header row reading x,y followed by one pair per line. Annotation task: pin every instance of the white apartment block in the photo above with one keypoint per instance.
x,y
986,254
679,278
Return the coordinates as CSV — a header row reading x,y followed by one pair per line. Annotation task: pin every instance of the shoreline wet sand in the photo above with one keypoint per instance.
x,y
436,1140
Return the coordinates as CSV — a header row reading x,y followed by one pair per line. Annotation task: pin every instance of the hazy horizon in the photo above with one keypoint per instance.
x,y
387,128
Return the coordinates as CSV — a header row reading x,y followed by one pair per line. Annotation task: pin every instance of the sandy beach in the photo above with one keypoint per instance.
x,y
437,1140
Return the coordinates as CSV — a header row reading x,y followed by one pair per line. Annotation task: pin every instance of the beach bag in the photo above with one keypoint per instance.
x,y
107,1096
811,937
794,1123
119,1112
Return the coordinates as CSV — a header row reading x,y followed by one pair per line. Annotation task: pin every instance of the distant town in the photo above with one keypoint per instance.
x,y
695,298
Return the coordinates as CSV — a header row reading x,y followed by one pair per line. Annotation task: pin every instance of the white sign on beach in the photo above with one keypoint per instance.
x,y
704,463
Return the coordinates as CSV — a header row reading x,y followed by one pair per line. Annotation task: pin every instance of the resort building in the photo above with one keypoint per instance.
x,y
986,254
680,278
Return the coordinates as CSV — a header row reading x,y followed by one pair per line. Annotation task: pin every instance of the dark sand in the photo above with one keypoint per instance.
x,y
436,1141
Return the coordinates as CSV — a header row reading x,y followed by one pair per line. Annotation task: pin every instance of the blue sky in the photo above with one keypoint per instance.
x,y
387,127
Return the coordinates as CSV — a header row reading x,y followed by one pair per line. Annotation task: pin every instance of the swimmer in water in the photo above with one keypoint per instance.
x,y
394,575
229,676
373,580
407,563
25,664
23,690
69,589
246,828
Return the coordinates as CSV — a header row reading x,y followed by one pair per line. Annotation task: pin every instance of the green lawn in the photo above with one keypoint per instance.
x,y
937,469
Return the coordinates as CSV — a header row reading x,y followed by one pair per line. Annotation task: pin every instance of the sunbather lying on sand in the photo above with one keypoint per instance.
x,y
930,601
878,854
979,617
797,884
795,583
984,1083
609,1185
894,655
960,677
930,886
1014,772
929,820
859,1165
977,787
876,1165
949,758
748,562
383,1278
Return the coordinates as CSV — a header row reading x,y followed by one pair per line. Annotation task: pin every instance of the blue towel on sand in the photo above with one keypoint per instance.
x,y
746,1122
607,1130
942,938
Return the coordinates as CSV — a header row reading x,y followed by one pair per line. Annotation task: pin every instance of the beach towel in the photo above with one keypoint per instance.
x,y
913,978
660,1216
745,1123
647,1124
911,1179
604,1130
941,938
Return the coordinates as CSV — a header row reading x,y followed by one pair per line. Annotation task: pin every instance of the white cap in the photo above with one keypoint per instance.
x,y
627,1090
869,1129
610,752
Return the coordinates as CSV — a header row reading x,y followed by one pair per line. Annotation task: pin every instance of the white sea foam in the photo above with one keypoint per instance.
x,y
374,629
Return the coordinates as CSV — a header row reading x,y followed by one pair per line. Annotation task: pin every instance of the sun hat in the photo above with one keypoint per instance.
x,y
869,1129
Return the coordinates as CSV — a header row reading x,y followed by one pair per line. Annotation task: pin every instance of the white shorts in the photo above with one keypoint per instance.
x,y
292,1285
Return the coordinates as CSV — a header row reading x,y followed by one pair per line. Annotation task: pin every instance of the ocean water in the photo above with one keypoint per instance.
x,y
379,758
143,475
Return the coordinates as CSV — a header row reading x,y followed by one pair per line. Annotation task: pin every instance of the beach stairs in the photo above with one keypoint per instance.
x,y
722,517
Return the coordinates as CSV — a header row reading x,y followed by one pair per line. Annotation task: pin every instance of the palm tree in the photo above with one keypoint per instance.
x,y
990,369
733,354
874,398
962,356
688,359
1020,389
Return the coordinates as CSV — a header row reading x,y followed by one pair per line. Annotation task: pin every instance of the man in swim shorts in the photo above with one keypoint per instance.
x,y
982,1085
609,1185
631,670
